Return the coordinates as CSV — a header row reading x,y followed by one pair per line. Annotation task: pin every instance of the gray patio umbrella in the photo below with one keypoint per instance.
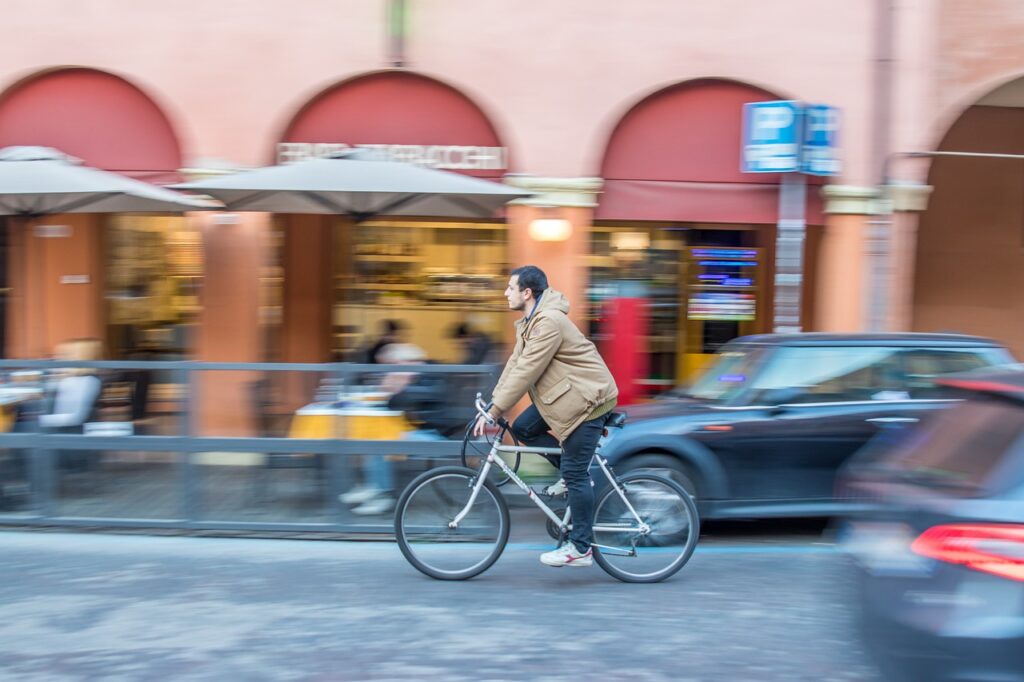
x,y
356,184
36,181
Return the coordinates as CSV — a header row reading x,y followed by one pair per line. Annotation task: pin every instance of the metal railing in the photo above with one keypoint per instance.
x,y
180,459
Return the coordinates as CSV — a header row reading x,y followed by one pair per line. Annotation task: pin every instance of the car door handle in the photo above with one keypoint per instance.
x,y
893,420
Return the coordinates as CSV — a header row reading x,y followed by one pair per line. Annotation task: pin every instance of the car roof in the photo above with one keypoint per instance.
x,y
1006,381
879,339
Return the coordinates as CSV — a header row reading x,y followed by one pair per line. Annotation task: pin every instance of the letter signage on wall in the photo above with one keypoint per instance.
x,y
446,157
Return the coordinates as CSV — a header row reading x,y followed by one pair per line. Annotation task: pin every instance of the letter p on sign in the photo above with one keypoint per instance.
x,y
766,122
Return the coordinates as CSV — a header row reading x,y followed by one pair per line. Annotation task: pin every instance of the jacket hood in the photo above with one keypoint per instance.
x,y
552,300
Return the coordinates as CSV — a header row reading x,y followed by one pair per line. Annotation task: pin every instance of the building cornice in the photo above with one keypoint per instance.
x,y
558,192
853,200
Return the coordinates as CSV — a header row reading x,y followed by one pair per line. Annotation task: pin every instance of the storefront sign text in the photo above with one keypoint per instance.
x,y
448,157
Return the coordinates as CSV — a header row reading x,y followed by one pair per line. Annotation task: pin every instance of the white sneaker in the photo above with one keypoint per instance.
x,y
358,494
378,505
557,488
567,555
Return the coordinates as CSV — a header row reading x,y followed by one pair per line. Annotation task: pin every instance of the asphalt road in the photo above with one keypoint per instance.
x,y
76,606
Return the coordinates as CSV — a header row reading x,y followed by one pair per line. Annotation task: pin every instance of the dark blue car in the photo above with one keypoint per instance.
x,y
939,556
765,429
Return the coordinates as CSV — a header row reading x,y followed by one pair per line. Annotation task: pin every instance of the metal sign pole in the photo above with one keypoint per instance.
x,y
789,253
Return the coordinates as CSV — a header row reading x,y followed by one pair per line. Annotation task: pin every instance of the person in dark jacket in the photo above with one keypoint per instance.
x,y
476,345
391,332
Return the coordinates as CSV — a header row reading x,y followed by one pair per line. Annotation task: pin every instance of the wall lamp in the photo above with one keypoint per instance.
x,y
547,227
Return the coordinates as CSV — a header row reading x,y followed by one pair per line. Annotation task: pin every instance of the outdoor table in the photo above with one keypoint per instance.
x,y
10,398
323,420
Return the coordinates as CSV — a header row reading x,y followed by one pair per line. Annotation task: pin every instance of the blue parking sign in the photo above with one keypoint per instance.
x,y
820,148
771,137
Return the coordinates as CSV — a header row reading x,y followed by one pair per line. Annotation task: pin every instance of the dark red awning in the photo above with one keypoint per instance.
x,y
94,116
699,202
675,156
397,108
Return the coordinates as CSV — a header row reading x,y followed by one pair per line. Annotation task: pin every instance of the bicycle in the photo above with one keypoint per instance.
x,y
452,523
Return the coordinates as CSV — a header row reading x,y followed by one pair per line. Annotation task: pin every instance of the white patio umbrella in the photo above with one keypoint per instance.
x,y
356,184
37,181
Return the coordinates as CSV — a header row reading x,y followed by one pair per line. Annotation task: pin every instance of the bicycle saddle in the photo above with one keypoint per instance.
x,y
615,420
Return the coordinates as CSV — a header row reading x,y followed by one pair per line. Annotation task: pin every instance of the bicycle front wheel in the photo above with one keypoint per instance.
x,y
654,542
424,518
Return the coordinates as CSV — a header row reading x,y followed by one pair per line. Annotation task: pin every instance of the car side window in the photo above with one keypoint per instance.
x,y
830,374
922,365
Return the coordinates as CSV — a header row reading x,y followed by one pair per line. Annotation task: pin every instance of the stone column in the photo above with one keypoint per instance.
x,y
841,295
307,301
56,280
869,246
229,330
908,202
563,260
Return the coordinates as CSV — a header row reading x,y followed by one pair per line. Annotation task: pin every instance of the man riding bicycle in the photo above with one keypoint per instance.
x,y
572,393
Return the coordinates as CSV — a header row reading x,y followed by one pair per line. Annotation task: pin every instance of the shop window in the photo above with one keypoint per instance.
x,y
430,277
645,263
698,288
153,281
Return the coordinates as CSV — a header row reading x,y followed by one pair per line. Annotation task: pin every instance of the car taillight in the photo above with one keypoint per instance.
x,y
993,548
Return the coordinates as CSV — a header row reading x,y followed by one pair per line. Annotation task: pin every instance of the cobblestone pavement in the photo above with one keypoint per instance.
x,y
76,606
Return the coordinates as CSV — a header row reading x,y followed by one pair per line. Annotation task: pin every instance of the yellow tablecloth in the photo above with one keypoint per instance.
x,y
359,423
10,398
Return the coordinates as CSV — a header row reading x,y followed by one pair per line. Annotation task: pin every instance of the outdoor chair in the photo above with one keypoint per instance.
x,y
74,404
270,425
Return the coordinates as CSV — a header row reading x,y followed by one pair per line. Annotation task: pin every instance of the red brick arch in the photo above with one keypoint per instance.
x,y
95,116
394,108
675,155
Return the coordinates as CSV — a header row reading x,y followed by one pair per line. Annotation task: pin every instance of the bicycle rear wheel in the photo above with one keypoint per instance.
x,y
656,546
426,508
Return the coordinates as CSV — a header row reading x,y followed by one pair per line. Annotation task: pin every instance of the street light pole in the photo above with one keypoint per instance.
x,y
880,224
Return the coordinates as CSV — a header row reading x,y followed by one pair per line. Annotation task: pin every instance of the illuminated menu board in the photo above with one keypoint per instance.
x,y
723,283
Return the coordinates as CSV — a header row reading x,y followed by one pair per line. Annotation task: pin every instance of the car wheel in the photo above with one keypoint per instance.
x,y
663,465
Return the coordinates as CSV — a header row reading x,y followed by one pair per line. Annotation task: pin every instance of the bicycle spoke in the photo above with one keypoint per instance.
x,y
422,525
645,554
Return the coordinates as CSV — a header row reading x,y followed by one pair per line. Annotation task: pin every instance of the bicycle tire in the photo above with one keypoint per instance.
x,y
421,524
675,528
468,453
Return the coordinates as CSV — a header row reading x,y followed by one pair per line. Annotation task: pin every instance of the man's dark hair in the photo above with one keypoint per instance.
x,y
533,278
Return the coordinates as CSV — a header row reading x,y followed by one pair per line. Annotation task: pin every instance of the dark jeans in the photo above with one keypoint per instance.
x,y
574,463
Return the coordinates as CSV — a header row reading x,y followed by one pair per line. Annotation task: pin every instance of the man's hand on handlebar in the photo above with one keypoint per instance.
x,y
481,425
484,419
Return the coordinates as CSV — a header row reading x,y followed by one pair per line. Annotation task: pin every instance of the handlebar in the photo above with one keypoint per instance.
x,y
483,408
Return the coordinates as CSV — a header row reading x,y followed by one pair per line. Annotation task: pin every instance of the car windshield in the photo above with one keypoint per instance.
x,y
728,376
966,446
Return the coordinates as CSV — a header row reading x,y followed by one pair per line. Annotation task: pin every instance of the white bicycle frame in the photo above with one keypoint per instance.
x,y
494,459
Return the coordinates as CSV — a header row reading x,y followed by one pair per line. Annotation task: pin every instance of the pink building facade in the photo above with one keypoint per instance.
x,y
625,119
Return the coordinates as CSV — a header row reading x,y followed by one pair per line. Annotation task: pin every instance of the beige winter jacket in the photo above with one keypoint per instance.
x,y
559,367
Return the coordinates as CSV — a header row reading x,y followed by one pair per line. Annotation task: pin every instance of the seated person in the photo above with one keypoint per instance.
x,y
476,346
406,390
75,398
